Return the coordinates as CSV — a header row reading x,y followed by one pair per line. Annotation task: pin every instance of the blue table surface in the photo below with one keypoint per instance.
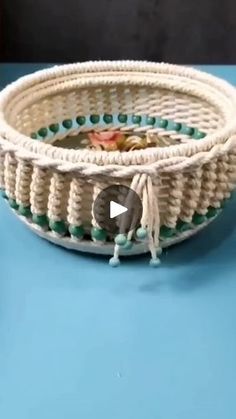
x,y
79,339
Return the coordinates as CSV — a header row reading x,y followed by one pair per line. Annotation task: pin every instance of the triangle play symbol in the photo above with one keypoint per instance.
x,y
116,209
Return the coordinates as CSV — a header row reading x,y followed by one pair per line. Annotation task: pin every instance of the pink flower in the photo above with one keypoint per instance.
x,y
108,140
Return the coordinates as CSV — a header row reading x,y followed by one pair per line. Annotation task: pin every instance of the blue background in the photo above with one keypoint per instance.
x,y
79,339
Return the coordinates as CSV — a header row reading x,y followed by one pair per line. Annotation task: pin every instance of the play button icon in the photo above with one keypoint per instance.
x,y
117,209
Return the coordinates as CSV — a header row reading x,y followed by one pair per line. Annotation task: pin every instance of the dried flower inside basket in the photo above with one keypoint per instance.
x,y
115,140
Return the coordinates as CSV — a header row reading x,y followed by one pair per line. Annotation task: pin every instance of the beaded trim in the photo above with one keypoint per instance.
x,y
62,228
95,121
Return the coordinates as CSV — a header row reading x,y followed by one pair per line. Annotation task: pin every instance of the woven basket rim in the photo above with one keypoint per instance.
x,y
121,158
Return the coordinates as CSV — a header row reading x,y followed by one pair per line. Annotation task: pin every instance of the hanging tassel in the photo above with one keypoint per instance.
x,y
122,240
115,261
151,222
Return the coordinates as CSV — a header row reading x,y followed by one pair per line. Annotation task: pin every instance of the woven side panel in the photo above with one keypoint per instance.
x,y
222,189
87,203
174,199
58,197
10,165
208,186
191,194
74,209
39,191
23,181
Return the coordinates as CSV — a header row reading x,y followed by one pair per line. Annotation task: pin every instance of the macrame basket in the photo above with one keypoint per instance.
x,y
183,181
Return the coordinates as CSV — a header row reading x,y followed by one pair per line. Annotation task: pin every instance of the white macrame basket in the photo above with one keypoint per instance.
x,y
183,184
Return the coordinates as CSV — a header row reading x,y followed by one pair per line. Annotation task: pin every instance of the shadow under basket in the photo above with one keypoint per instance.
x,y
165,131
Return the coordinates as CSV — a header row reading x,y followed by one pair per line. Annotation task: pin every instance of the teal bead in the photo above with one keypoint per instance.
x,y
154,263
150,120
128,245
122,118
141,233
121,239
94,119
167,232
58,226
13,204
77,231
198,135
43,132
98,234
174,126
199,218
25,211
212,212
162,123
67,123
40,220
33,135
81,120
107,118
114,262
54,128
136,119
182,226
185,130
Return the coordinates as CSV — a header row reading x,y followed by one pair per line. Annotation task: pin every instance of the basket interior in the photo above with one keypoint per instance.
x,y
48,103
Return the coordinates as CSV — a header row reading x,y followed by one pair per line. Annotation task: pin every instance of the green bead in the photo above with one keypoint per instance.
x,y
54,128
98,234
136,119
94,119
42,132
67,123
58,226
80,120
25,211
41,220
185,130
212,212
150,120
167,232
122,118
107,118
13,204
199,218
33,135
162,123
114,262
182,226
141,233
174,126
77,231
128,245
198,135
121,239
